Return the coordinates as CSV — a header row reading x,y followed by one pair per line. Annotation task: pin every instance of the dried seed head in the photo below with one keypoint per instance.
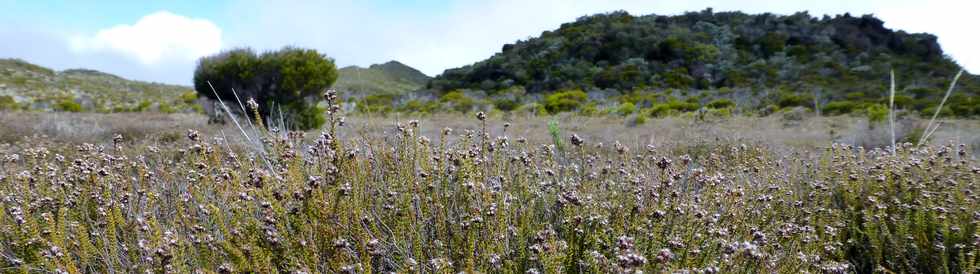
x,y
330,95
252,104
193,135
577,141
482,116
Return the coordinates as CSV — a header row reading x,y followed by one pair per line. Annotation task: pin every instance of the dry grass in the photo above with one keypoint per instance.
x,y
777,131
730,196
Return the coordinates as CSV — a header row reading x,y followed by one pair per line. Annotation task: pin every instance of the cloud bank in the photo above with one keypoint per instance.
x,y
155,37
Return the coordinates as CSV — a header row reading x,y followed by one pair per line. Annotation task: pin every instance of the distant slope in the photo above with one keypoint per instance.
x,y
755,60
31,87
388,78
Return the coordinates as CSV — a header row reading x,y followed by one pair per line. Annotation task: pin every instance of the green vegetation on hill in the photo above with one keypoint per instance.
x,y
25,86
758,63
391,78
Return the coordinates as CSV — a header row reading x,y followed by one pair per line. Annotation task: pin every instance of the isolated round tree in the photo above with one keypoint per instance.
x,y
287,81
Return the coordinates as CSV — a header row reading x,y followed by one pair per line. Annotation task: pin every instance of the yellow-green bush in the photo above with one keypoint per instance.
x,y
457,101
68,105
563,101
8,103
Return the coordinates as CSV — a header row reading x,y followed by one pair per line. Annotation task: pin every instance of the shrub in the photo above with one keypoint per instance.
x,y
376,103
564,101
721,103
458,101
640,119
560,202
902,101
142,106
840,107
506,104
418,106
672,107
854,96
188,97
68,105
626,108
8,103
876,112
287,78
929,111
591,109
788,99
166,108
660,110
305,116
678,78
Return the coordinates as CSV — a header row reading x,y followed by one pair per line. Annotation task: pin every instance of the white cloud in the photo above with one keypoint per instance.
x,y
156,37
953,22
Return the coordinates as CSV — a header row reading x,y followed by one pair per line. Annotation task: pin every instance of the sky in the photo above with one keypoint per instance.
x,y
160,41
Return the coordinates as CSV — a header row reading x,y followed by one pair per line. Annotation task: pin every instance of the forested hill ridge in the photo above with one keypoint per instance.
x,y
765,61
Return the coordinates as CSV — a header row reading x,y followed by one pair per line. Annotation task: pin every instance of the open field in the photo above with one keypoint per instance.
x,y
504,195
785,131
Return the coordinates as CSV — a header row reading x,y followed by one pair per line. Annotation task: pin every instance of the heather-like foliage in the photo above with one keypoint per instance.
x,y
475,202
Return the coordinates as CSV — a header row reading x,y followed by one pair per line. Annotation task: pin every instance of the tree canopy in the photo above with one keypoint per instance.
x,y
288,79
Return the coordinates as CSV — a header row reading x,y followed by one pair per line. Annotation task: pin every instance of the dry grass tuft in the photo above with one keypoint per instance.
x,y
445,195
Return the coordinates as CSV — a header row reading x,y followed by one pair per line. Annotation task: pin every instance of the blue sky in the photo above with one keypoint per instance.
x,y
161,40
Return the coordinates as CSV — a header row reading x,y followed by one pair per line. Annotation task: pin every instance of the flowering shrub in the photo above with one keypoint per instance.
x,y
475,202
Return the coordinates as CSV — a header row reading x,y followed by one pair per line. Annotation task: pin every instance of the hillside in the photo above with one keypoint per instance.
x,y
25,86
755,62
392,77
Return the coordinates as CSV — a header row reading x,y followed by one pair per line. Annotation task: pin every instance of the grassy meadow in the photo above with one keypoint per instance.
x,y
159,193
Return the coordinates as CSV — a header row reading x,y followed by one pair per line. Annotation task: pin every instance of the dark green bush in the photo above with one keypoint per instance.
x,y
721,103
789,99
840,107
506,104
285,79
678,78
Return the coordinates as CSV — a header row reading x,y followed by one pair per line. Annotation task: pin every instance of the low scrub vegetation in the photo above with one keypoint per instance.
x,y
483,199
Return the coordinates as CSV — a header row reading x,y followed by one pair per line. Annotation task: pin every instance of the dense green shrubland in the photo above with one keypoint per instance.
x,y
767,60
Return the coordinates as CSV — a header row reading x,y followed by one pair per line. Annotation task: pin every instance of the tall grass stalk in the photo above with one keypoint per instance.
x,y
930,129
891,110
